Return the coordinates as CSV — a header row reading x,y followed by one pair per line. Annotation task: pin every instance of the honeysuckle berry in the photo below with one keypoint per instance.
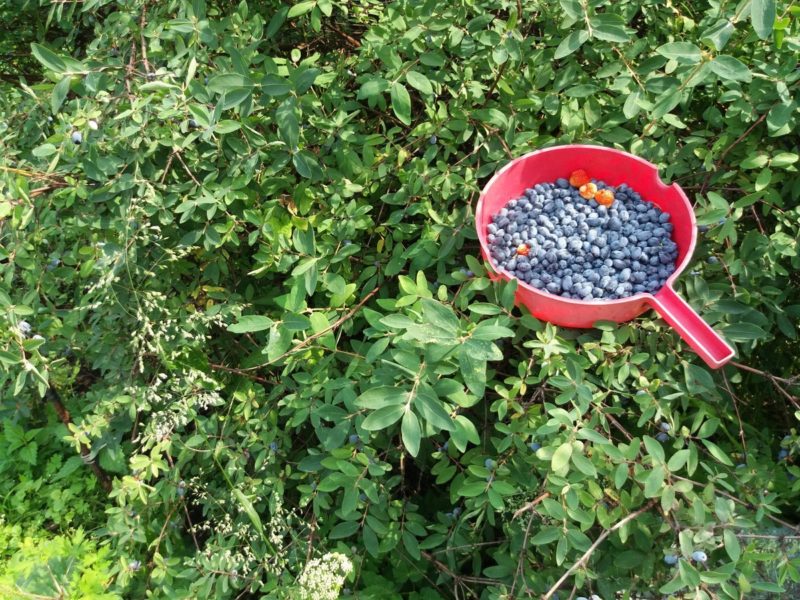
x,y
432,140
534,446
193,123
671,560
92,124
77,137
662,437
783,454
664,426
699,556
24,328
488,463
456,511
354,438
581,249
135,565
273,446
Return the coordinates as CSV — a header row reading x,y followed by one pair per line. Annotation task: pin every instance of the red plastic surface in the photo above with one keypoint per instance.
x,y
614,167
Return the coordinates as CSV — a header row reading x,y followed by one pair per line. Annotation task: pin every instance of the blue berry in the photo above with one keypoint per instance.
x,y
193,123
488,463
354,438
699,556
135,565
456,511
273,446
671,560
783,454
662,437
432,140
77,137
24,327
712,260
535,446
665,426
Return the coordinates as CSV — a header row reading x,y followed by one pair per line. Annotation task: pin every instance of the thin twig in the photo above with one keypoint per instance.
x,y
530,505
582,560
319,334
738,415
86,453
730,147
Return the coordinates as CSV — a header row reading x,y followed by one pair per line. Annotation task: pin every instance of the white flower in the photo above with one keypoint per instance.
x,y
322,578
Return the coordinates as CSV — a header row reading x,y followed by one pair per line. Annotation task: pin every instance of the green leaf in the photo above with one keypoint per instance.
x,y
383,417
382,396
60,91
48,58
717,453
571,43
344,530
560,461
248,508
301,8
307,165
401,102
743,332
762,17
273,85
44,150
546,535
250,323
654,482
473,371
681,51
732,546
719,34
730,68
419,82
227,82
610,33
288,125
411,432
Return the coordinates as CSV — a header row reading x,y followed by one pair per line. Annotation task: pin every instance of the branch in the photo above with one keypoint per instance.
x,y
86,453
582,560
319,334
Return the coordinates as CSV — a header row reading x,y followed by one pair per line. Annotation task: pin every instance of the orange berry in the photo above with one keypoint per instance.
x,y
604,197
523,250
588,190
578,178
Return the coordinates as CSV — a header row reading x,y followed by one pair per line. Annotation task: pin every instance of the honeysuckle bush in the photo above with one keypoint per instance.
x,y
246,330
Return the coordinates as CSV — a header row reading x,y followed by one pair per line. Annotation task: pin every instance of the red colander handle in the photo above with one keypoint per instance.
x,y
714,350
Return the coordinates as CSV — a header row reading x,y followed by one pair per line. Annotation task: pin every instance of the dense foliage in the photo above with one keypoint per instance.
x,y
248,348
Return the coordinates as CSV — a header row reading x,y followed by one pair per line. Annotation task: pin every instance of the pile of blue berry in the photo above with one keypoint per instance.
x,y
556,241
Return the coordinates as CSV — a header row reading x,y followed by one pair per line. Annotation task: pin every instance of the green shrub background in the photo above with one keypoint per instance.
x,y
254,288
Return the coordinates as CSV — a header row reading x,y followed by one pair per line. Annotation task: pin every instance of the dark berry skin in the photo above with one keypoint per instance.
x,y
556,241
193,124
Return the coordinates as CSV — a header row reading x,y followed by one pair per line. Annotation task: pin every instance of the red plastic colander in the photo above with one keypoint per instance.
x,y
615,168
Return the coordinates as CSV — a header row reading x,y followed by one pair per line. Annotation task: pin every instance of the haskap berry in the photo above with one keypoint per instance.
x,y
559,239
